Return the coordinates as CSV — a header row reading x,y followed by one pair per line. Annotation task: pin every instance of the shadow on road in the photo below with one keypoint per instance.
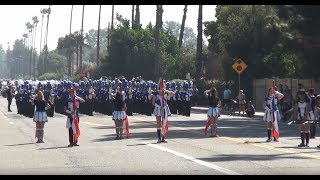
x,y
21,144
250,157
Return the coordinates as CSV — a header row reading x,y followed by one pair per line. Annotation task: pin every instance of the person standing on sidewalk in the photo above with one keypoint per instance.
x,y
213,111
9,94
242,102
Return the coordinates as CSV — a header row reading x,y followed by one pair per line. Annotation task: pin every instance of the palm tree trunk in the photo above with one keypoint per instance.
x,y
199,46
40,49
80,66
132,18
46,42
98,38
184,17
108,40
34,58
30,60
137,20
157,41
112,17
69,49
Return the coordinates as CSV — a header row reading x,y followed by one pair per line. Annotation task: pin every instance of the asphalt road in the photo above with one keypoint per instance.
x,y
239,150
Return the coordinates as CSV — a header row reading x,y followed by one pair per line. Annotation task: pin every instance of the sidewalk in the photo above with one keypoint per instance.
x,y
205,110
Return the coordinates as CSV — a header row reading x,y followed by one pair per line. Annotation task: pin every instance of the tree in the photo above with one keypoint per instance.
x,y
43,12
132,17
81,43
189,37
112,18
35,23
48,12
199,46
137,18
70,47
98,38
158,27
183,24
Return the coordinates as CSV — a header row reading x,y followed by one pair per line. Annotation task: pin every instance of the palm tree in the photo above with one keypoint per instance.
x,y
98,38
112,17
31,48
157,40
199,46
184,17
81,43
69,53
43,12
46,39
132,17
28,25
35,23
137,20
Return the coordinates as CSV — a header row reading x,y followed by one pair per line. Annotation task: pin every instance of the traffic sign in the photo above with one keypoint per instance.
x,y
239,66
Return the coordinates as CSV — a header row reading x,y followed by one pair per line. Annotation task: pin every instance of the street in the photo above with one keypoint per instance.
x,y
240,148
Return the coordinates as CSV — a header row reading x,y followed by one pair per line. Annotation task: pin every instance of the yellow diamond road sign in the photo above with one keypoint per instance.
x,y
239,66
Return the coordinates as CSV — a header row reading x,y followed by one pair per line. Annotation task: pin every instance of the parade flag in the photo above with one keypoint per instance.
x,y
165,125
75,117
126,124
207,126
275,126
274,119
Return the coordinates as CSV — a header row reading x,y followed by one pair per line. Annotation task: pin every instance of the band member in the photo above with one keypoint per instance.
x,y
313,127
213,111
272,115
302,112
71,108
161,110
40,117
119,114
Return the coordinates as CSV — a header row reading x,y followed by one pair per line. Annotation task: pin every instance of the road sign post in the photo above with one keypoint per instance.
x,y
239,66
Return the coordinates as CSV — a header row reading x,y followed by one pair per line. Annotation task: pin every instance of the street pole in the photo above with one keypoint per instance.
x,y
239,81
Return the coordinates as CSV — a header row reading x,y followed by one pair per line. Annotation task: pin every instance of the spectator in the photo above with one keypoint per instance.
x,y
250,110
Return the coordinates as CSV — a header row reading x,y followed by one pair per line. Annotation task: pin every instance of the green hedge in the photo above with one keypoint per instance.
x,y
50,76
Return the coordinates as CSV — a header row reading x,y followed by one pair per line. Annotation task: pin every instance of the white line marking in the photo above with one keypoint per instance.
x,y
10,122
204,163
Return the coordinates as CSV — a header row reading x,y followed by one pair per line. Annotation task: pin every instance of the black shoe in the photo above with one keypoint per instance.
x,y
75,144
159,141
164,141
9,111
268,140
301,145
70,145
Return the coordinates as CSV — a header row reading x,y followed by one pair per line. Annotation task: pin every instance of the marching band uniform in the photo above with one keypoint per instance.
x,y
40,116
303,113
272,115
70,118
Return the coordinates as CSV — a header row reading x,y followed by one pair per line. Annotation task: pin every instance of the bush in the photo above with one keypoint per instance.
x,y
50,76
205,84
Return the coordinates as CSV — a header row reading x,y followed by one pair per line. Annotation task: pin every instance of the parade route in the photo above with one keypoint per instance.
x,y
240,148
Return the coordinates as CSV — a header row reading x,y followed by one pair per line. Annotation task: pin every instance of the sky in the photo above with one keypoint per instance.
x,y
13,26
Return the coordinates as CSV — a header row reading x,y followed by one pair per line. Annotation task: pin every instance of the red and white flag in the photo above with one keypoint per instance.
x,y
275,126
75,117
126,126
